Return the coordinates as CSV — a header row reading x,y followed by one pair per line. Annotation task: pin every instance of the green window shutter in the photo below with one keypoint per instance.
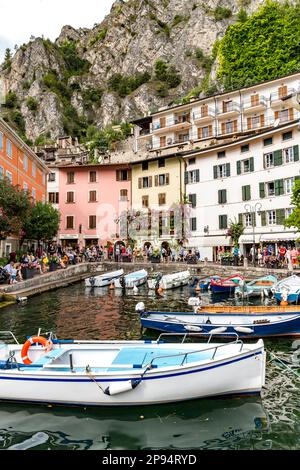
x,y
263,218
252,164
262,192
277,157
193,199
197,176
296,153
222,221
280,216
238,167
186,177
215,172
227,169
246,193
220,196
279,188
297,178
241,219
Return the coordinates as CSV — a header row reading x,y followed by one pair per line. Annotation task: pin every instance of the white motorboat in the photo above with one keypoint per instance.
x,y
104,279
288,289
169,281
131,280
105,373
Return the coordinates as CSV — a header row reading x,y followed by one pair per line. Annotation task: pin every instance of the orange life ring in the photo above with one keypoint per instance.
x,y
34,339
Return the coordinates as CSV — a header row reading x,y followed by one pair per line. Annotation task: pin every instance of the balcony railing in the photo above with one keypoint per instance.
x,y
250,104
276,97
231,107
171,122
204,114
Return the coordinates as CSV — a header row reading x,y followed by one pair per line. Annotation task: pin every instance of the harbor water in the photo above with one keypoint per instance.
x,y
271,421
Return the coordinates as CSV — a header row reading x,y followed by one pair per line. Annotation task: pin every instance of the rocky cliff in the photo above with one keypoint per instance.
x,y
143,55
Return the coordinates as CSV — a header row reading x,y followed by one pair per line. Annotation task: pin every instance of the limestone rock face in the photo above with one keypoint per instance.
x,y
128,41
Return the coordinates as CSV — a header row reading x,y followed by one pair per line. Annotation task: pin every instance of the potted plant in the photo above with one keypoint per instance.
x,y
155,256
53,263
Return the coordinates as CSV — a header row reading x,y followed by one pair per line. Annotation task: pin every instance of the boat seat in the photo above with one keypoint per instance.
x,y
49,357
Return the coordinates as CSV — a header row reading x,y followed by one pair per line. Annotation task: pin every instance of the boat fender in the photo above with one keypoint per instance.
x,y
216,331
243,329
121,387
140,307
32,340
192,328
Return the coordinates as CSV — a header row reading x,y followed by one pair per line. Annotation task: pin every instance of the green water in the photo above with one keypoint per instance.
x,y
268,422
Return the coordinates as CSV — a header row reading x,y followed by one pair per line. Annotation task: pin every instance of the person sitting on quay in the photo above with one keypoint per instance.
x,y
12,271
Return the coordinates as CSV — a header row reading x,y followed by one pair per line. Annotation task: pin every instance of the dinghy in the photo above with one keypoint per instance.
x,y
257,287
247,322
228,285
288,290
131,280
104,279
105,373
169,281
203,284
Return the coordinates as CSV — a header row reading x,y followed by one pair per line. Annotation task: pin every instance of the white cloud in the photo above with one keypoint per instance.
x,y
21,19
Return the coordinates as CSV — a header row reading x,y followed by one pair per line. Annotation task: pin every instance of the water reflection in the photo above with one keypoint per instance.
x,y
209,424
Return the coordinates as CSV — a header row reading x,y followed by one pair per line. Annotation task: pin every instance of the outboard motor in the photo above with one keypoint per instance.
x,y
92,281
123,283
157,280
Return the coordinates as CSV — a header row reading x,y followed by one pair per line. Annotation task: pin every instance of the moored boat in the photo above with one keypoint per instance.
x,y
227,285
261,286
203,284
104,279
127,373
226,321
131,280
288,290
169,281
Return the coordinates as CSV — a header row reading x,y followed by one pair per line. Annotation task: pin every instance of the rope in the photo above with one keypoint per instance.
x,y
276,358
88,371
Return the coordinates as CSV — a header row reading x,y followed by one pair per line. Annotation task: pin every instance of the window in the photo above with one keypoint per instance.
x,y
92,221
222,196
145,202
25,187
283,115
70,177
33,194
192,177
25,163
229,127
33,169
246,193
288,155
145,166
271,188
244,148
93,176
268,141
288,185
145,182
122,175
70,197
271,217
287,135
162,199
269,160
51,177
1,141
70,222
193,200
222,222
192,161
221,154
9,148
255,122
248,220
124,195
162,180
9,176
53,198
92,196
193,224
161,163
222,171
246,166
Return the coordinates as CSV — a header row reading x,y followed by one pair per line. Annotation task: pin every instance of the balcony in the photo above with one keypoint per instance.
x,y
255,105
204,115
177,123
230,109
276,100
170,142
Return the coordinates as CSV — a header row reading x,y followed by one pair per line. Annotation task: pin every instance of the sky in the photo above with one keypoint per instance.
x,y
20,19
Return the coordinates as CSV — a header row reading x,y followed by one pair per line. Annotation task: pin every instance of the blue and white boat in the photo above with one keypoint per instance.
x,y
104,279
225,286
124,373
258,287
288,290
226,321
132,280
203,284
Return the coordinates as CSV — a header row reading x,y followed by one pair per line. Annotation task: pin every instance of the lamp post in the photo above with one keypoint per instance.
x,y
253,210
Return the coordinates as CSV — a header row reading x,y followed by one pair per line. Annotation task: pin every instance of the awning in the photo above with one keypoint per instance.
x,y
248,238
90,237
214,241
68,237
279,237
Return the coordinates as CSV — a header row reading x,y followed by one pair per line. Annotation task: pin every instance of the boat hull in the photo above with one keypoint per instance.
x,y
241,370
132,280
170,281
103,280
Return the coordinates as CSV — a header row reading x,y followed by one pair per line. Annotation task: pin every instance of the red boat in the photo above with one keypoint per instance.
x,y
227,285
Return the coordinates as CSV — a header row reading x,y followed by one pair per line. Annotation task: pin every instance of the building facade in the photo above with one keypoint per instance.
x,y
91,201
22,167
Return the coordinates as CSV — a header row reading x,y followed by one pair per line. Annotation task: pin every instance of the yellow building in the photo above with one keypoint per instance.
x,y
158,195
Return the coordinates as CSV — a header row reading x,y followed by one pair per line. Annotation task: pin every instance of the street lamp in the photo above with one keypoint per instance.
x,y
253,210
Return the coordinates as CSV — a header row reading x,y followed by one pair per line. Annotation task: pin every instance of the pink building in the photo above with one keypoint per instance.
x,y
91,200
